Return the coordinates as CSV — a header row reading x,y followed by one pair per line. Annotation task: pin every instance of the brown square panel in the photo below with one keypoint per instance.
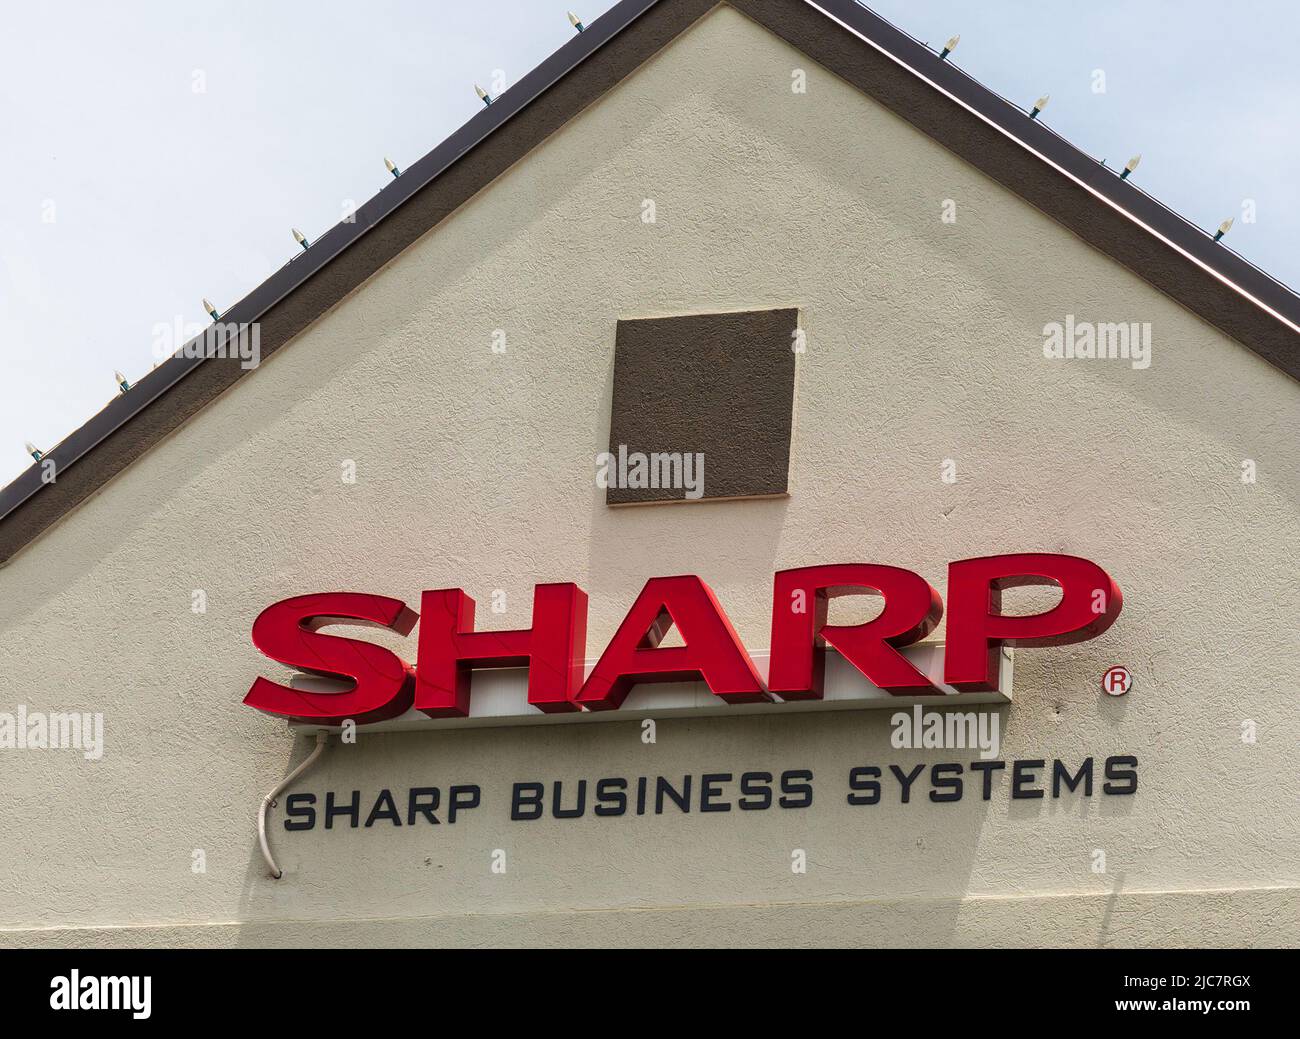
x,y
714,386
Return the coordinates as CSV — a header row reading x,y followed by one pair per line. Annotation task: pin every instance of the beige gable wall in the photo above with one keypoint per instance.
x,y
476,470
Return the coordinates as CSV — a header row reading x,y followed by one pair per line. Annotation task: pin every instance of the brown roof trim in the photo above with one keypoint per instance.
x,y
889,67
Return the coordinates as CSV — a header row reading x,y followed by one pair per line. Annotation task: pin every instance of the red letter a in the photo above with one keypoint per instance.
x,y
712,652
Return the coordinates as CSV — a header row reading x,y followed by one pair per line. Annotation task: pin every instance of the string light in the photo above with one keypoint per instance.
x,y
212,311
301,239
576,22
388,163
1130,166
1039,105
1224,228
122,384
484,96
949,47
32,450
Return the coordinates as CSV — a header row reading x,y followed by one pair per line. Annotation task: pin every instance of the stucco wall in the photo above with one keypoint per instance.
x,y
475,469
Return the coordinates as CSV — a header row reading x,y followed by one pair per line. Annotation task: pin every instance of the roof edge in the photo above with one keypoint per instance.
x,y
329,245
1170,253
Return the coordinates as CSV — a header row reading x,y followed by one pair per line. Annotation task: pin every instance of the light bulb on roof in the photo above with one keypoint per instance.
x,y
1130,166
32,450
301,239
1039,105
122,384
576,22
949,47
389,165
212,311
484,96
1224,228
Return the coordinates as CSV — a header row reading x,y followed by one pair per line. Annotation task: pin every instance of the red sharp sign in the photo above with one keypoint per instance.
x,y
384,686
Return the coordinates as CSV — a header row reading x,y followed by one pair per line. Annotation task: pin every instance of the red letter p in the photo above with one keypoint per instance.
x,y
977,628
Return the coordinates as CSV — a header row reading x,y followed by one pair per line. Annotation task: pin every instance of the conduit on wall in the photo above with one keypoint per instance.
x,y
269,802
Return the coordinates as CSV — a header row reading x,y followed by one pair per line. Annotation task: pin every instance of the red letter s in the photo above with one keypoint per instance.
x,y
288,633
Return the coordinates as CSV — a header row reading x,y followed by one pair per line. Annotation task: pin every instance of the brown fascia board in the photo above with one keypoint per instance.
x,y
852,42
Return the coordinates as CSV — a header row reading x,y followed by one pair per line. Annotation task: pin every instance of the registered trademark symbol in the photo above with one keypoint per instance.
x,y
1116,681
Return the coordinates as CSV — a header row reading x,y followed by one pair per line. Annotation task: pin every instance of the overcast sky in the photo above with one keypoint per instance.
x,y
153,152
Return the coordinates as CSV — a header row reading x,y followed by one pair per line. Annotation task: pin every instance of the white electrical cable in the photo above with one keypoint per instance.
x,y
269,801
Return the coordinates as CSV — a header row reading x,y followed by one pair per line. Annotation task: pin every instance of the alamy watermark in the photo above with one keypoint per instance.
x,y
222,340
636,470
55,730
947,730
1106,340
71,991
